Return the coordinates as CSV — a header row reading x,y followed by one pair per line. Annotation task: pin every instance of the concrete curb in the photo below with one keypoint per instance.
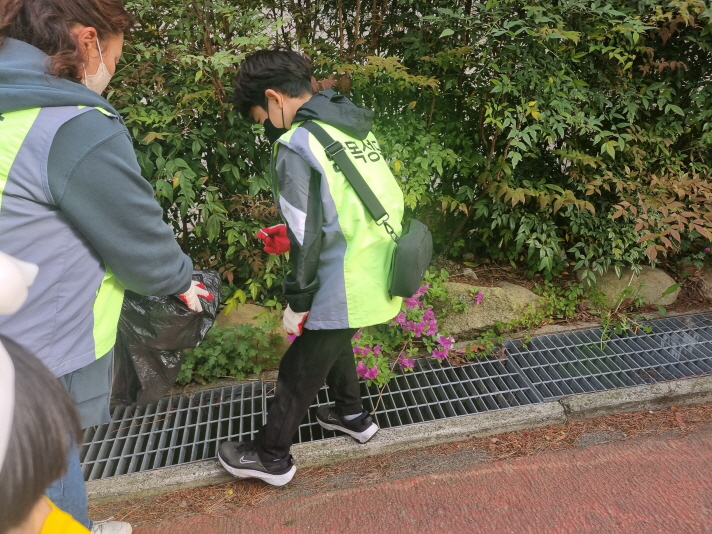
x,y
695,390
680,392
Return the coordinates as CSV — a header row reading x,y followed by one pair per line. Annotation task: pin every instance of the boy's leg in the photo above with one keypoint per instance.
x,y
343,383
302,372
347,414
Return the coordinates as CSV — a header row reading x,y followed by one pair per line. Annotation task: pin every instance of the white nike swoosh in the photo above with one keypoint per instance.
x,y
243,461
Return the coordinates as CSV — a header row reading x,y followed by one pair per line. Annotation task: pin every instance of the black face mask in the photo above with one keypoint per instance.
x,y
272,133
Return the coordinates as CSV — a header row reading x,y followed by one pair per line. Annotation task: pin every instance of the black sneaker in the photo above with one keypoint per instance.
x,y
241,460
361,429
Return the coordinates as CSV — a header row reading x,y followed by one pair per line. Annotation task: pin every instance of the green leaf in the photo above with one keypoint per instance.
x,y
446,32
670,290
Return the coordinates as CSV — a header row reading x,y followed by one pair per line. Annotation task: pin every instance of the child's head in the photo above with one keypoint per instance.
x,y
37,430
272,84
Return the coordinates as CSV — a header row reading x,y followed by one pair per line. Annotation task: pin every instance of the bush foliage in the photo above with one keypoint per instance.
x,y
552,135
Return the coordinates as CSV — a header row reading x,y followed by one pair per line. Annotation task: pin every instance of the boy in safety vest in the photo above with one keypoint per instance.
x,y
340,258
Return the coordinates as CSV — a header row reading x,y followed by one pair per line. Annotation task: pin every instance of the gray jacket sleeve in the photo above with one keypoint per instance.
x,y
299,203
95,180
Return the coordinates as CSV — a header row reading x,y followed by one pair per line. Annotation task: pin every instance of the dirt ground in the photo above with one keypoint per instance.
x,y
234,496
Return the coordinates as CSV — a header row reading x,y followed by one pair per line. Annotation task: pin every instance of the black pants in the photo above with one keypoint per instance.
x,y
314,356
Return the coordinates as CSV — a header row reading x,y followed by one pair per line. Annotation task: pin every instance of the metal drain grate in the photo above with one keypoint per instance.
x,y
183,429
578,362
180,430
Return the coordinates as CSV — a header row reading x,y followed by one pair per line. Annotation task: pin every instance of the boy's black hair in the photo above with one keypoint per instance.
x,y
284,71
44,421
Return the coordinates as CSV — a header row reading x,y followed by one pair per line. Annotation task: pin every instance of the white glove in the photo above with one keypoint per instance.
x,y
190,297
15,278
293,322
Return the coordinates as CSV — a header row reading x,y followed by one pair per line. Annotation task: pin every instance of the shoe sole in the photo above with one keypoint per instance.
x,y
361,437
274,480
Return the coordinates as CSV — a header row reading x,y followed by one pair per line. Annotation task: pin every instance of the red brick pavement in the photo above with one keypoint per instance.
x,y
660,484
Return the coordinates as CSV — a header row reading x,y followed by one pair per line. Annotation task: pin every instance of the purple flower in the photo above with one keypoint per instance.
x,y
446,342
480,297
400,318
364,371
412,303
377,350
291,337
418,331
707,249
439,354
432,330
428,315
357,335
423,289
405,363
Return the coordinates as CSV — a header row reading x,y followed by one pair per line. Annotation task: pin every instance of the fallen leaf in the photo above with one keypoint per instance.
x,y
678,418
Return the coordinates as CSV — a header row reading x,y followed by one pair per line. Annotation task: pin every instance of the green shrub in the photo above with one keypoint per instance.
x,y
233,352
552,135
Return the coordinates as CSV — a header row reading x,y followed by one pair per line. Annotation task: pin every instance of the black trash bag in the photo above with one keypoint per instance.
x,y
153,332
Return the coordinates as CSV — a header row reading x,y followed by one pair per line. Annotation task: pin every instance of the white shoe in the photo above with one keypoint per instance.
x,y
111,527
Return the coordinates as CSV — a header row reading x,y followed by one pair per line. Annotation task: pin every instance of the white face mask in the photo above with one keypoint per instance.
x,y
97,82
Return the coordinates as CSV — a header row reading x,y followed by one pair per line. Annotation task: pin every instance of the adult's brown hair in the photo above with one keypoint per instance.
x,y
48,25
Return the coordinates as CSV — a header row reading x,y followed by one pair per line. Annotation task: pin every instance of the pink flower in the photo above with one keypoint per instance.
x,y
411,303
423,289
405,363
377,350
480,297
364,371
432,330
428,315
357,335
400,318
707,249
446,342
439,354
291,337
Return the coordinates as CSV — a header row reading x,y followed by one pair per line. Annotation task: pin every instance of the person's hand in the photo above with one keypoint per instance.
x,y
192,297
275,239
293,322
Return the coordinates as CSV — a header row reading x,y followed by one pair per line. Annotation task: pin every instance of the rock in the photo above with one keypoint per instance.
x,y
248,314
649,285
499,304
469,273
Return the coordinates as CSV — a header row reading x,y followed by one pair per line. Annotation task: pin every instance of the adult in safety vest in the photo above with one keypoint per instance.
x,y
340,258
73,203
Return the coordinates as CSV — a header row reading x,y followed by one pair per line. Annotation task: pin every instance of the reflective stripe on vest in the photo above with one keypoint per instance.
x,y
15,127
